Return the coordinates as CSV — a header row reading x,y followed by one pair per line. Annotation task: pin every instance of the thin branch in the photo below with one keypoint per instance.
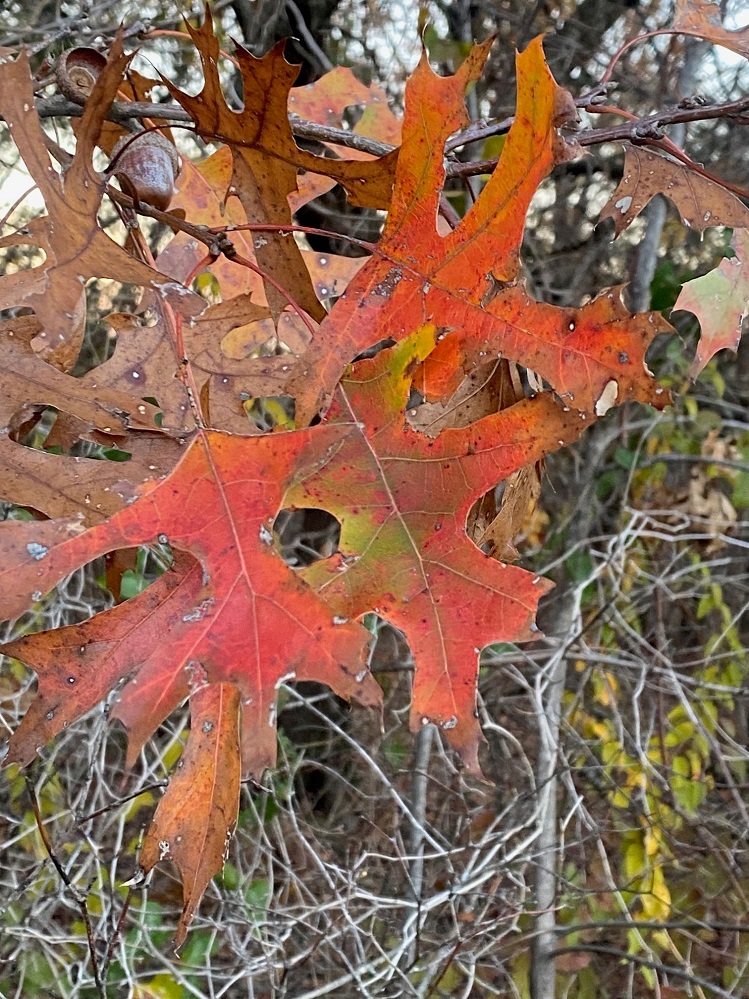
x,y
643,962
641,131
78,897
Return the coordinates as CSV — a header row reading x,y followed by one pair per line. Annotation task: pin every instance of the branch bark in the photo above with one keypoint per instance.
x,y
641,131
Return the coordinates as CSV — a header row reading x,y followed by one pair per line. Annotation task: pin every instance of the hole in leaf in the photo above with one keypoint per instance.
x,y
22,257
305,536
74,600
105,298
20,312
375,349
132,570
273,412
44,428
390,652
352,115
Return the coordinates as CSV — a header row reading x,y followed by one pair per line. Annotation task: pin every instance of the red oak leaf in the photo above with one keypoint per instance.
x,y
195,819
251,622
467,280
402,499
720,300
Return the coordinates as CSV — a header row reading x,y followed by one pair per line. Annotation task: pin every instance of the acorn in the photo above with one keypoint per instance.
x,y
146,165
77,70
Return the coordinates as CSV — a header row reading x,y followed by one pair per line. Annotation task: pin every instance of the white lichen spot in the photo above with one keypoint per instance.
x,y
207,726
450,723
163,848
265,535
340,620
36,595
360,676
36,551
608,397
623,204
173,288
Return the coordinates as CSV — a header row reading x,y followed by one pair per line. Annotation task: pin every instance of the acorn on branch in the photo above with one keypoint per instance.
x,y
146,165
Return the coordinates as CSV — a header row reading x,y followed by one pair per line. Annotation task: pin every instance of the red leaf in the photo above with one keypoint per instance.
x,y
326,99
253,622
79,665
402,500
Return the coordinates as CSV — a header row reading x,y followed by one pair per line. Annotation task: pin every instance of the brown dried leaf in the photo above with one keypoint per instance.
x,y
58,485
267,158
521,492
701,202
76,248
144,361
704,20
26,380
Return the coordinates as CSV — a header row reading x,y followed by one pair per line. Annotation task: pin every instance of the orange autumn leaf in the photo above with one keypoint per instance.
x,y
467,281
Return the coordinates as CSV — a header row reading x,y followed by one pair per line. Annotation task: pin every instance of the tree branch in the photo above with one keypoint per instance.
x,y
643,962
647,130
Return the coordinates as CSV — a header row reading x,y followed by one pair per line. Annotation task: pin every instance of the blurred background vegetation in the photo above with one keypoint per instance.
x,y
368,864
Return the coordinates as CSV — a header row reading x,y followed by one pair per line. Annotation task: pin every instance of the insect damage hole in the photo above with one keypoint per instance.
x,y
302,537
269,412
